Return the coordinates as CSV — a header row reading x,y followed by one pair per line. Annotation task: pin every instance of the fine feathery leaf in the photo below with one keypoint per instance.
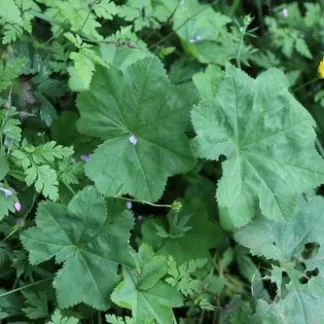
x,y
90,245
181,276
142,119
9,72
10,12
37,304
113,319
268,139
37,163
57,318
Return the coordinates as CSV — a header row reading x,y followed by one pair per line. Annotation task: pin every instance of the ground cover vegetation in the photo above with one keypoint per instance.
x,y
161,161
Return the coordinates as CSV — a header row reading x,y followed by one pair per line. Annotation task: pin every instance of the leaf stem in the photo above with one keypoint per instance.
x,y
99,318
7,293
305,84
238,62
12,232
70,188
142,202
85,21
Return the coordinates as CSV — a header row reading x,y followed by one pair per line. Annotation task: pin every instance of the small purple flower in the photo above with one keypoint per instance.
x,y
129,204
7,192
85,158
284,12
132,139
17,206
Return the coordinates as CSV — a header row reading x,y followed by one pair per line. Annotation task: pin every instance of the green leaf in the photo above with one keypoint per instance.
x,y
69,172
6,203
37,304
4,165
138,102
201,28
181,276
105,9
10,33
113,319
152,272
57,318
10,71
122,57
193,19
47,110
37,164
209,81
192,244
268,139
90,245
10,305
45,180
282,242
303,302
140,13
10,12
155,302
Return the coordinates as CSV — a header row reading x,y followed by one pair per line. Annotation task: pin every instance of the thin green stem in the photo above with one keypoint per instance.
x,y
31,206
202,315
70,188
12,232
238,56
85,21
260,15
54,35
142,202
7,293
99,317
305,84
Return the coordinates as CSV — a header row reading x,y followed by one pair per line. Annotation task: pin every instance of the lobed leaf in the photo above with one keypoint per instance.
x,y
90,245
268,140
138,103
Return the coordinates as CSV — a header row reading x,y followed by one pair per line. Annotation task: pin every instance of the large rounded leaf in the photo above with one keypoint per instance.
x,y
142,119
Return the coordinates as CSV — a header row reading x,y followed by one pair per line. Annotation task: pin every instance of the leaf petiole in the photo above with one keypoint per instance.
x,y
142,202
7,293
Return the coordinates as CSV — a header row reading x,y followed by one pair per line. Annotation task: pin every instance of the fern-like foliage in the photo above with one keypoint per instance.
x,y
84,63
38,165
58,318
181,276
16,17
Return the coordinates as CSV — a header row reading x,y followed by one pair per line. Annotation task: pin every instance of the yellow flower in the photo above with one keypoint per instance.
x,y
321,69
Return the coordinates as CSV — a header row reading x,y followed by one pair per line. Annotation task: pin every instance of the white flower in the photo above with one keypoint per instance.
x,y
284,12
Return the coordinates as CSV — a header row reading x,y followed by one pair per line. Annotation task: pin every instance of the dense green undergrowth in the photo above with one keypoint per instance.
x,y
161,161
